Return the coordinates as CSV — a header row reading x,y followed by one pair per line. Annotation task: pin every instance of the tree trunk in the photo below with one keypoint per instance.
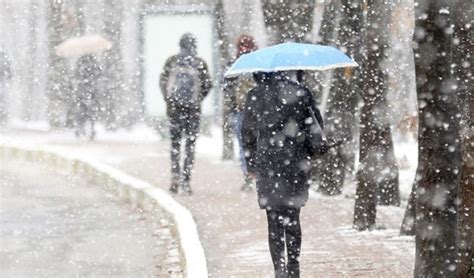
x,y
79,18
340,114
113,113
28,112
327,36
288,20
388,192
228,147
377,167
466,216
463,60
329,23
57,84
408,227
439,148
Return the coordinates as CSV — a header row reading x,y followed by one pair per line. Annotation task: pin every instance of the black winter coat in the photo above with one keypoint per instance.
x,y
87,74
277,139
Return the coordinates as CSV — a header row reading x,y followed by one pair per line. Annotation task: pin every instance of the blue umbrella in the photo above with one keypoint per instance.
x,y
291,56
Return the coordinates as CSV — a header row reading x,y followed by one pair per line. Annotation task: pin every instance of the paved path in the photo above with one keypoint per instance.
x,y
233,230
54,225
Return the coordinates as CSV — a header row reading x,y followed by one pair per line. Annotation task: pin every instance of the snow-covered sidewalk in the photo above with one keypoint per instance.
x,y
232,228
57,225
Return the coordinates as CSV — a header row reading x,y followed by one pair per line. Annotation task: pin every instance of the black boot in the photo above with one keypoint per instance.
x,y
293,270
281,273
186,187
174,185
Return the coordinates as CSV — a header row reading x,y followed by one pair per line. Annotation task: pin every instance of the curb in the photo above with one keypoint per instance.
x,y
136,191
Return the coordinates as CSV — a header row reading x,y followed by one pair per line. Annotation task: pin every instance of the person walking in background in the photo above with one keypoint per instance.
x,y
237,88
85,106
281,132
184,82
5,76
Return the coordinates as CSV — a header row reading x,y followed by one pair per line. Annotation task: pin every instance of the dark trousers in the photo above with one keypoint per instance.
x,y
84,112
284,230
184,127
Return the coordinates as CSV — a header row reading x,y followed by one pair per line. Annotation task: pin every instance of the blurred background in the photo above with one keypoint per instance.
x,y
144,33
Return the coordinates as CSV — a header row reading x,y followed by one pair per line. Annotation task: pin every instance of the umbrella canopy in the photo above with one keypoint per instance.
x,y
291,56
78,46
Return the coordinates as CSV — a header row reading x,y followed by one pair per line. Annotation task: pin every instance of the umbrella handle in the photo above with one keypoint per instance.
x,y
336,143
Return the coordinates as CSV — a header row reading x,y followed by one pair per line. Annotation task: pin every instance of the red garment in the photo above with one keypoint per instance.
x,y
245,44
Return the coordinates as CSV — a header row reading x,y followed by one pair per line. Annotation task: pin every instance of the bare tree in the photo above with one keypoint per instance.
x,y
113,94
408,226
464,41
60,26
388,192
466,217
433,39
28,110
228,148
288,20
377,167
330,22
439,149
340,113
328,35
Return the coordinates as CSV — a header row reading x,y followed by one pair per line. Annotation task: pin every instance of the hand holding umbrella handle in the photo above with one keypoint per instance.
x,y
326,147
336,143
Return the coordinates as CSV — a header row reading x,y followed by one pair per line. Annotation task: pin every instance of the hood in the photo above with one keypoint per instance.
x,y
245,44
187,44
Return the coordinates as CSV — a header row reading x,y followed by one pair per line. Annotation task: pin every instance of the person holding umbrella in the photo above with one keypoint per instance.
x,y
85,106
277,130
282,132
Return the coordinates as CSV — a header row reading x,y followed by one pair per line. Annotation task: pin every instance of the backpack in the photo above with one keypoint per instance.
x,y
184,86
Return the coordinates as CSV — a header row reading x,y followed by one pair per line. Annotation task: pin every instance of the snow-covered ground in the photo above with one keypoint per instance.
x,y
229,221
40,133
54,224
210,145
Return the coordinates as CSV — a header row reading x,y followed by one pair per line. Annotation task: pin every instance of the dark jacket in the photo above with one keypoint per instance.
x,y
87,74
277,138
204,77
